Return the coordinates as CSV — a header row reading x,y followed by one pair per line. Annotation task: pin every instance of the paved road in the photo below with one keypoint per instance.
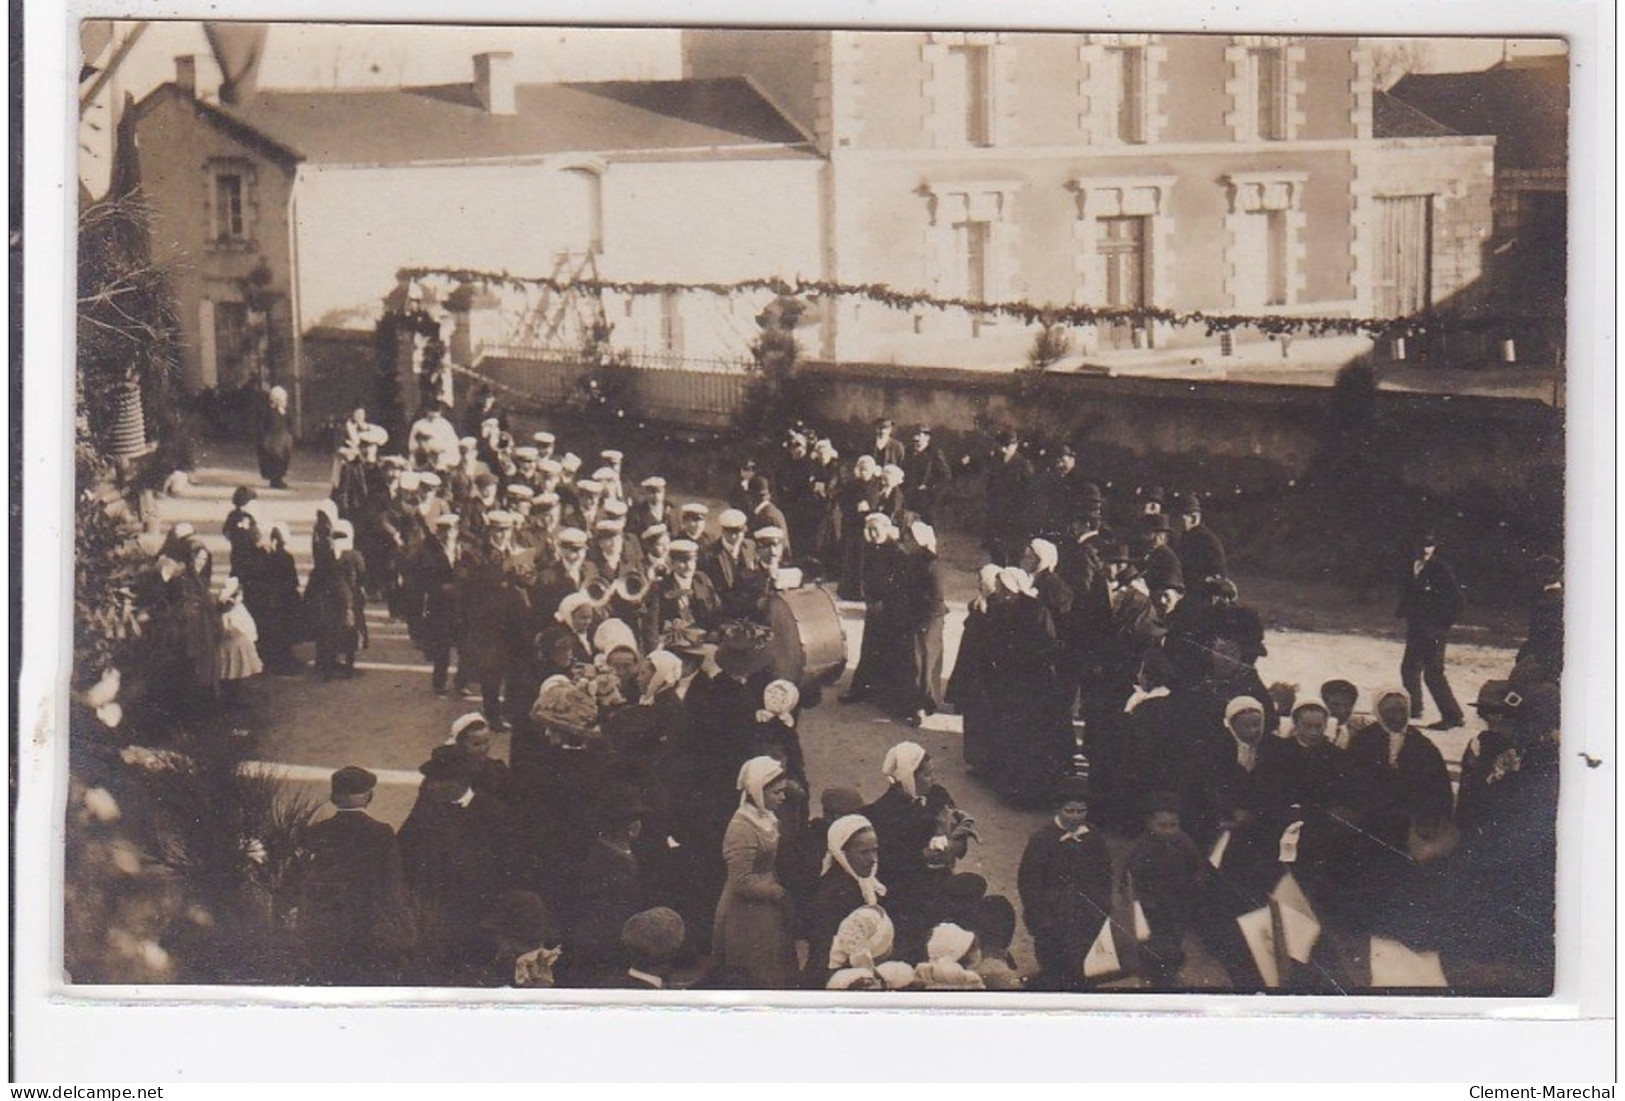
x,y
388,720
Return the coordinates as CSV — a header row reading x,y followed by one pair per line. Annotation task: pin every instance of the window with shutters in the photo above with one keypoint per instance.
x,y
230,203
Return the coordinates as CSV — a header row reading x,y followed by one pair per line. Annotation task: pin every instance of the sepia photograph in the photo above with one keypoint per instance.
x,y
817,512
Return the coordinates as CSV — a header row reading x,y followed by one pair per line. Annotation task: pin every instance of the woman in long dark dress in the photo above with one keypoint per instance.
x,y
1031,728
274,438
198,619
970,689
337,603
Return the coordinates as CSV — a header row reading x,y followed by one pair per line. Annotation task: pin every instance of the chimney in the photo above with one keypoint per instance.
x,y
493,82
186,74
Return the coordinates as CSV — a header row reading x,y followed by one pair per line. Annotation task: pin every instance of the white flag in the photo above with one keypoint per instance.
x,y
1258,930
1392,964
1142,927
1300,928
1102,958
1289,843
1216,857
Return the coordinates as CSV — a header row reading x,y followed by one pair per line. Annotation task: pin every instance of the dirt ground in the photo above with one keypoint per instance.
x,y
387,719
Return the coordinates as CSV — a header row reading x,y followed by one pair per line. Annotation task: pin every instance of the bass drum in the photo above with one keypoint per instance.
x,y
809,645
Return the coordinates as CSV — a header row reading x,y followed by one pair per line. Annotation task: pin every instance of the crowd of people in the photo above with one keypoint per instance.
x,y
654,823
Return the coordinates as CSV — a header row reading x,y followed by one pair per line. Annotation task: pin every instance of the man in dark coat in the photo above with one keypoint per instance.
x,y
1053,499
886,450
570,572
764,512
433,610
1162,567
684,599
1430,602
732,567
793,494
457,847
926,475
496,618
652,508
1008,476
356,925
1201,554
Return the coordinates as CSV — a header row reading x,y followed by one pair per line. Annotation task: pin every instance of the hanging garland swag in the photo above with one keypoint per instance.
x,y
1028,312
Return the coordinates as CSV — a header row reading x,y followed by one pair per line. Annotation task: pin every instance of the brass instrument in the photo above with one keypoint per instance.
x,y
598,591
633,588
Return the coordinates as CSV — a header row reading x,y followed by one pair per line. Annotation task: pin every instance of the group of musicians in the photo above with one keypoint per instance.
x,y
490,552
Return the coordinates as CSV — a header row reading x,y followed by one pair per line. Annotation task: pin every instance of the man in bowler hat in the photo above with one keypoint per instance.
x,y
1430,602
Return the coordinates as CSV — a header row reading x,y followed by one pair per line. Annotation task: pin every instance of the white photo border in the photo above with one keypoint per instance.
x,y
210,1034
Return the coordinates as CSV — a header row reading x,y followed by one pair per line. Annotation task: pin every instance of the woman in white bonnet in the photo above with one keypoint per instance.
x,y
752,936
273,438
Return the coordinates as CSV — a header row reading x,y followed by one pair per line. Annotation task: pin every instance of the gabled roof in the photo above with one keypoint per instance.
x,y
1525,105
1394,118
447,123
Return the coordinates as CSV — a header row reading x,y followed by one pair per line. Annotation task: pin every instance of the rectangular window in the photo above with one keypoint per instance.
x,y
976,239
1122,248
671,324
1277,288
1128,74
969,88
1270,92
228,207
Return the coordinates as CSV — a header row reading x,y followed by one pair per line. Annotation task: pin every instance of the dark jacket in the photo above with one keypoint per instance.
x,y
1201,554
355,915
1430,600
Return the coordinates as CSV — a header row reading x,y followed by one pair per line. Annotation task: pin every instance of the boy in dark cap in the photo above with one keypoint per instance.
x,y
651,940
354,915
1166,875
1065,883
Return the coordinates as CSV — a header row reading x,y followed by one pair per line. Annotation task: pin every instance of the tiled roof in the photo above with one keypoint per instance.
x,y
1525,105
402,126
1393,118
